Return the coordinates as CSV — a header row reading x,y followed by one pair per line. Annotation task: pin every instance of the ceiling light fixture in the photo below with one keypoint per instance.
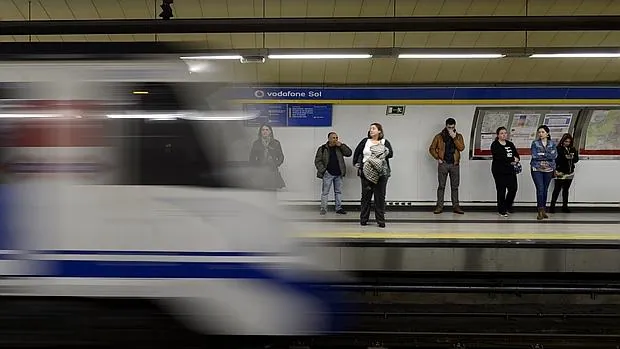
x,y
320,56
213,57
451,55
224,115
34,115
577,55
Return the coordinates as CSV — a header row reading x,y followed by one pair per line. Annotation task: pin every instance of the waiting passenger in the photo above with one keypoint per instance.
x,y
267,156
544,153
330,167
371,158
564,172
504,168
446,148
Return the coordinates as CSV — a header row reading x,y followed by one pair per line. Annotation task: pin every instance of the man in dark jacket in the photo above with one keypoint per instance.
x,y
330,166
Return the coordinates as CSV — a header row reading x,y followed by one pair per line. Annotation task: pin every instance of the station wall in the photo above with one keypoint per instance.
x,y
414,171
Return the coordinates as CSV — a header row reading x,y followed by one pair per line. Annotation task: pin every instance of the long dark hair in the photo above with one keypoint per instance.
x,y
260,129
546,128
565,137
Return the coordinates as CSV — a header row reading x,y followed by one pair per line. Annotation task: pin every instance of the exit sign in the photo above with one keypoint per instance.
x,y
395,110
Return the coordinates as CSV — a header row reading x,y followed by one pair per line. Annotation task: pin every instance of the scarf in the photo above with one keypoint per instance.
x,y
267,158
376,165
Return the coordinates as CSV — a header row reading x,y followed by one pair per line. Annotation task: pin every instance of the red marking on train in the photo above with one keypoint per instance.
x,y
54,133
600,152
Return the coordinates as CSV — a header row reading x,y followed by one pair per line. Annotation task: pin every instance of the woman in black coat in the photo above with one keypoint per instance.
x,y
267,156
564,171
505,158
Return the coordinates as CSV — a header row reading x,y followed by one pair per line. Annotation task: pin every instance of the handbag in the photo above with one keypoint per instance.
x,y
561,176
518,168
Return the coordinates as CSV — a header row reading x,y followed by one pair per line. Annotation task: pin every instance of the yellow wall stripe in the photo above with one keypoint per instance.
x,y
461,236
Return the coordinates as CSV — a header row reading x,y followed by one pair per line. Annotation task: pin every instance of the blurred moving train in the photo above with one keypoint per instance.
x,y
119,208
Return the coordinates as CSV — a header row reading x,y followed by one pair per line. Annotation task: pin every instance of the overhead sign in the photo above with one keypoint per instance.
x,y
271,114
334,94
291,115
287,93
313,115
395,110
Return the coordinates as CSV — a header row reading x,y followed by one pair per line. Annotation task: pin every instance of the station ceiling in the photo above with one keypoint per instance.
x,y
360,71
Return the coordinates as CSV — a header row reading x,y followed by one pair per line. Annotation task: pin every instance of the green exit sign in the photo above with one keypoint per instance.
x,y
395,110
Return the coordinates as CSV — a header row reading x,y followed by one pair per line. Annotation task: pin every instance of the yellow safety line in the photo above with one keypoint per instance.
x,y
462,236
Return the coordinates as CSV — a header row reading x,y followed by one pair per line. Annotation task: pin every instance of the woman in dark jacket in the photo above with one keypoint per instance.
x,y
267,156
564,171
505,157
371,157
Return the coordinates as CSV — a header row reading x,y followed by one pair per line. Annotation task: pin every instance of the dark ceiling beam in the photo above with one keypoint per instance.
x,y
101,48
316,24
146,49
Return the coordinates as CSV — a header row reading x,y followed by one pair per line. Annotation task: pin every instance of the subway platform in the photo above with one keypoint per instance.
x,y
475,241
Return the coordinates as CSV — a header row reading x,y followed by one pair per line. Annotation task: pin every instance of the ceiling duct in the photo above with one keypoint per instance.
x,y
314,24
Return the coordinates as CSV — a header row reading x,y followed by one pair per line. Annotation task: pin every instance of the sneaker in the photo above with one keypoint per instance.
x,y
503,214
381,225
323,212
341,211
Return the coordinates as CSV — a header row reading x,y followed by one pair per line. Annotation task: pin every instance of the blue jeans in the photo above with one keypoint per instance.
x,y
328,179
541,181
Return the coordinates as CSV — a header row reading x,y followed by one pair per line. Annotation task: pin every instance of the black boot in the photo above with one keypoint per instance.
x,y
552,207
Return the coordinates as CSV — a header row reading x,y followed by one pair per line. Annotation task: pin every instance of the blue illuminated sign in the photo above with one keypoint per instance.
x,y
294,115
314,115
271,114
422,93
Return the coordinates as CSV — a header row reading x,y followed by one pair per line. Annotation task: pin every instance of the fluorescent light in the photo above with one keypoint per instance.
x,y
32,115
450,55
193,116
576,55
145,116
321,56
213,57
220,116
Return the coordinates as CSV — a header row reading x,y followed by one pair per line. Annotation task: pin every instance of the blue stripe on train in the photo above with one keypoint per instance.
x,y
151,269
196,270
5,232
164,253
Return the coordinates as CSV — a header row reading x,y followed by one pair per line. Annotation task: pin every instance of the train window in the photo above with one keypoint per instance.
x,y
169,152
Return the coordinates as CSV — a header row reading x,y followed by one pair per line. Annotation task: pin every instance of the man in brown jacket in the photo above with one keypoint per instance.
x,y
446,148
